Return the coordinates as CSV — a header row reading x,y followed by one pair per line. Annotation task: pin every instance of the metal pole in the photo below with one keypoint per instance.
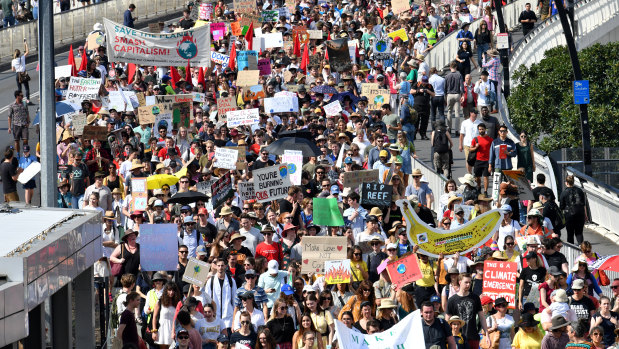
x,y
584,110
48,104
504,53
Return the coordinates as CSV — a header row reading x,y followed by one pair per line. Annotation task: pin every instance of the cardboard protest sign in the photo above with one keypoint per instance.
x,y
315,34
244,6
81,89
246,190
264,66
63,71
95,40
519,179
290,5
376,194
219,58
376,97
249,18
400,33
500,280
253,93
399,6
294,159
339,57
29,172
196,272
78,122
95,132
356,178
243,117
281,105
247,78
226,158
130,45
158,247
153,28
272,40
333,108
218,30
139,194
271,183
141,98
68,117
247,60
318,249
404,271
326,212
224,105
338,272
221,190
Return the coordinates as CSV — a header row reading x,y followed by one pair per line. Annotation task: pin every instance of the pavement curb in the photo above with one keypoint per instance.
x,y
614,237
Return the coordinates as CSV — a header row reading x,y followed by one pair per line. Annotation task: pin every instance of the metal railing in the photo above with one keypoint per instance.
x,y
571,252
78,23
436,182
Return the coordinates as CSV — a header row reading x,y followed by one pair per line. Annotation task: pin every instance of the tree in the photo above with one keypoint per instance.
x,y
542,103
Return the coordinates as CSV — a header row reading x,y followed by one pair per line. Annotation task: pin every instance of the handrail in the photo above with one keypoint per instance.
x,y
436,182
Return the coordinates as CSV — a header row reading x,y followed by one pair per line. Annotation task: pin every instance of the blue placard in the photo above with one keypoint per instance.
x,y
581,92
158,247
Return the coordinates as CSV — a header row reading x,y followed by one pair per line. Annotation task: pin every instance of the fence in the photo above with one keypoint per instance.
x,y
78,23
436,182
571,252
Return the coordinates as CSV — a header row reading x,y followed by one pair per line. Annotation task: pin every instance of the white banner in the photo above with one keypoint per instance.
x,y
281,105
243,117
294,159
408,333
83,89
130,45
271,183
226,158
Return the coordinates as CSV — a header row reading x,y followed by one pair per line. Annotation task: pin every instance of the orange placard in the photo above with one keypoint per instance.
x,y
404,271
500,280
236,28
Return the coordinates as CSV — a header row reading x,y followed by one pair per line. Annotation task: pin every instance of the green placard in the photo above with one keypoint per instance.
x,y
326,212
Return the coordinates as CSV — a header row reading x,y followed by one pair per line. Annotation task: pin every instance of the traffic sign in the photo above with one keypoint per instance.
x,y
502,41
581,92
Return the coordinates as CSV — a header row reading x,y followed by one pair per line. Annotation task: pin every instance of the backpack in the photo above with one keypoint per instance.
x,y
555,215
412,114
115,317
441,143
232,296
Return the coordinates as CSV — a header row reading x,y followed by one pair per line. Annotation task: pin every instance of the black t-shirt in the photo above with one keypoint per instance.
x,y
530,277
543,190
582,307
282,329
557,259
80,173
249,340
527,15
437,333
286,206
130,333
7,171
208,232
258,164
466,308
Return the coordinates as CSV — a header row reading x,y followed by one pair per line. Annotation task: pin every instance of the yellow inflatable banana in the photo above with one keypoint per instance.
x,y
434,241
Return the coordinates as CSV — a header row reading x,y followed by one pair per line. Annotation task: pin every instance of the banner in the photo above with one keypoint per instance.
x,y
281,105
339,57
317,249
337,272
224,105
196,272
326,212
376,194
226,158
519,179
463,239
500,280
333,108
407,333
158,247
356,178
130,45
219,58
404,271
243,117
246,190
81,89
221,190
294,159
271,183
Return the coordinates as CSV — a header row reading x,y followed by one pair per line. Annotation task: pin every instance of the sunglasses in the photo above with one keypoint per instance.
x,y
392,249
184,181
509,244
267,233
447,223
614,287
250,276
287,217
416,176
183,337
356,254
183,252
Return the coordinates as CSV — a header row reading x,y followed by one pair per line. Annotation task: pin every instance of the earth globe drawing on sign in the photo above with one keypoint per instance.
x,y
379,100
187,48
381,46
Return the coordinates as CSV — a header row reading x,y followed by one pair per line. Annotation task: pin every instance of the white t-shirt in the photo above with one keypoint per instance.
x,y
469,129
508,230
257,319
19,64
209,330
462,264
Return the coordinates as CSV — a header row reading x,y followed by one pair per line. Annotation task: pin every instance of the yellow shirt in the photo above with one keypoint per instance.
x,y
523,340
428,275
356,272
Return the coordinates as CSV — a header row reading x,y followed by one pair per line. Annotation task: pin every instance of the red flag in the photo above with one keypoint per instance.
x,y
249,35
232,60
297,46
174,76
84,63
130,72
305,59
326,55
380,13
356,51
72,62
329,36
201,79
188,73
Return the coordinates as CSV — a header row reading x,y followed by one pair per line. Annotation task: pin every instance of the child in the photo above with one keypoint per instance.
x,y
559,304
456,325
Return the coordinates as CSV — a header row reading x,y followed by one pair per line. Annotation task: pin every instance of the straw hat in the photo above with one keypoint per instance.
x,y
136,164
117,191
66,136
468,179
452,199
237,235
375,211
109,215
457,319
343,135
497,255
91,118
483,197
560,295
225,211
579,260
387,303
129,232
417,172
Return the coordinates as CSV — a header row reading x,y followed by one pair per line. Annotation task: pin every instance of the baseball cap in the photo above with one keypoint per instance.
x,y
273,267
434,298
286,289
578,284
201,250
185,208
486,300
335,189
202,210
26,148
348,160
223,338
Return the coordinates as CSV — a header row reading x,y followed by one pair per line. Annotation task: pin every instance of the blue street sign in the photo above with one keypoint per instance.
x,y
581,92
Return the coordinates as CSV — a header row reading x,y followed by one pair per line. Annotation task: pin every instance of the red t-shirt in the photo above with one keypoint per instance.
x,y
271,251
483,152
163,153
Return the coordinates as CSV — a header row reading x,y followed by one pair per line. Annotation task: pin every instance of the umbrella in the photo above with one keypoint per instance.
x,y
187,197
296,133
294,143
340,97
610,263
65,107
324,89
159,180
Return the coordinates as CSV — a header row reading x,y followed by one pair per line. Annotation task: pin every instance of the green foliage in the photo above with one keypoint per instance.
x,y
543,104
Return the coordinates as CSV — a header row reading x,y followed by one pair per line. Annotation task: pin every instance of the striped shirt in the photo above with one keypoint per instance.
x,y
259,296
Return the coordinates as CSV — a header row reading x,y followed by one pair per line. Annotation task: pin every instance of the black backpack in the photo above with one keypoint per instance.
x,y
441,143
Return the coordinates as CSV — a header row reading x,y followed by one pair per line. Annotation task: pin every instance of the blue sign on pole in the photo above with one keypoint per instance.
x,y
581,92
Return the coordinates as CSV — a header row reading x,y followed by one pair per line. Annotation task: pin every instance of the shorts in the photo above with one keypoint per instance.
x,y
11,197
31,184
481,169
20,133
466,152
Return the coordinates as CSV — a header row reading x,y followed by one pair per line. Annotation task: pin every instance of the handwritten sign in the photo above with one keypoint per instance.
x,y
196,272
338,272
271,183
283,104
376,194
315,34
294,159
333,108
78,122
158,247
246,190
225,105
247,60
248,78
220,58
218,30
81,89
139,194
226,158
243,117
244,6
95,132
264,66
500,280
356,178
318,249
221,190
404,271
376,97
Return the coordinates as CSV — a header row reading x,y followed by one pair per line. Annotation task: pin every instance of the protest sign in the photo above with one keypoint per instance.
x,y
81,89
283,12
400,33
339,57
235,28
247,78
376,97
264,66
226,158
326,212
78,122
165,119
116,100
141,98
218,30
318,249
139,195
315,34
181,105
204,187
244,6
333,108
290,5
407,333
404,271
269,16
152,27
285,94
249,18
294,159
337,272
241,160
315,60
95,132
376,194
224,105
96,39
205,11
246,190
399,6
243,117
296,88
68,117
272,40
253,93
382,48
281,105
301,32
29,172
196,272
271,183
219,58
247,60
221,190
519,179
500,280
158,247
130,45
356,178
63,71
198,97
